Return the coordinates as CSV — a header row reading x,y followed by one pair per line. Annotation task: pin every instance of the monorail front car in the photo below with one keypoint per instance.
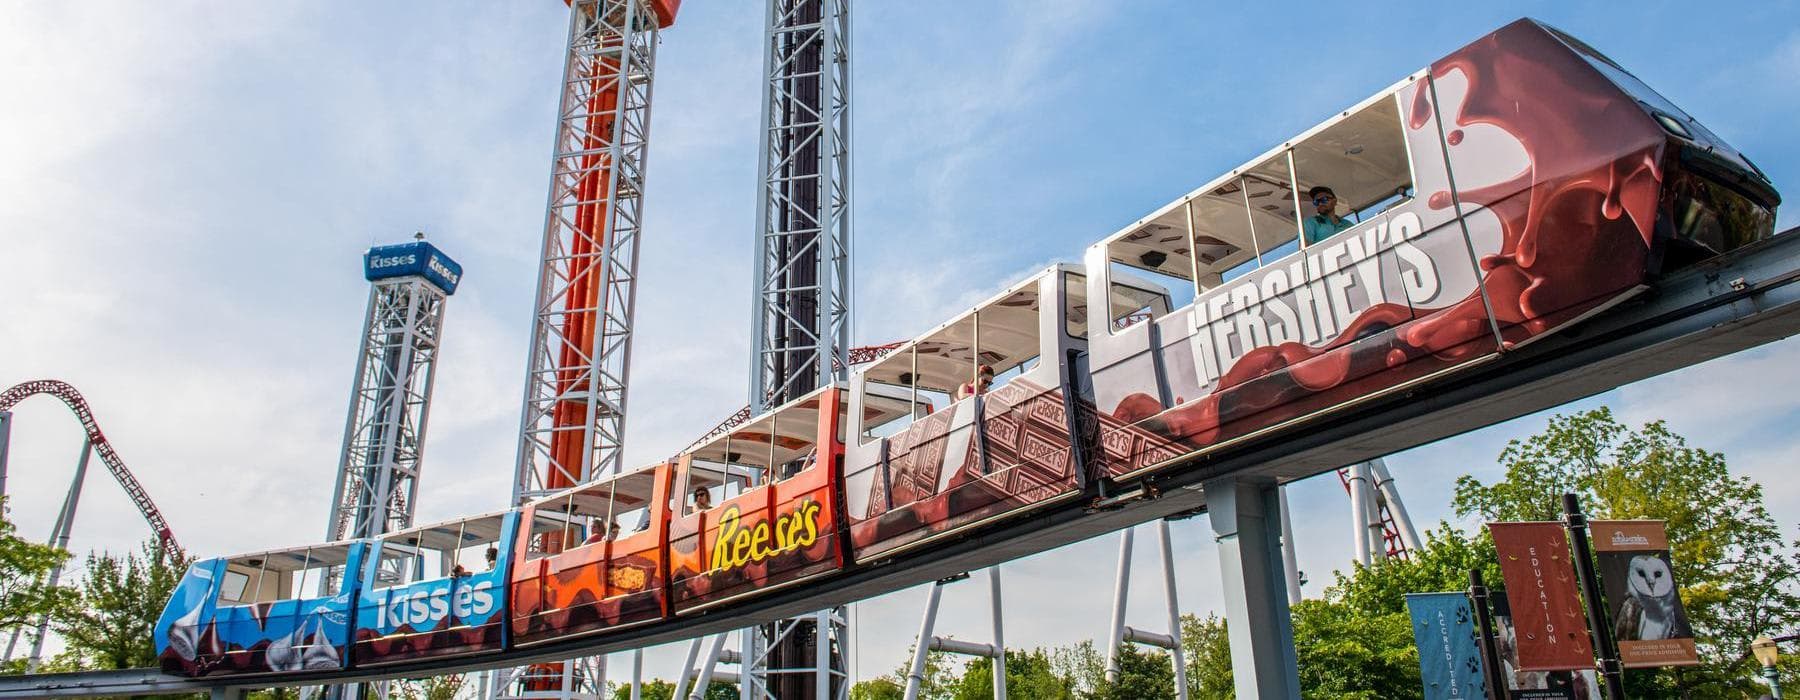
x,y
1509,191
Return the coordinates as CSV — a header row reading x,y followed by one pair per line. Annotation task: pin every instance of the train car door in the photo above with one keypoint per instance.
x,y
757,508
594,559
281,610
974,421
435,590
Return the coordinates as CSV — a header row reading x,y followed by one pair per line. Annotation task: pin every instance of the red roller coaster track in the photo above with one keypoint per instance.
x,y
78,405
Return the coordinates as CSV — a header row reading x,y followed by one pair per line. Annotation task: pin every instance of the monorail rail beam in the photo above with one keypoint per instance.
x,y
1746,299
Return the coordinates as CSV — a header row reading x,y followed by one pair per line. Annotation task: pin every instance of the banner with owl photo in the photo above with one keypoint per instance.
x,y
1642,599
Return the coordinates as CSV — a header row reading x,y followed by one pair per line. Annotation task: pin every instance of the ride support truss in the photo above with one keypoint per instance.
x,y
384,433
573,421
801,332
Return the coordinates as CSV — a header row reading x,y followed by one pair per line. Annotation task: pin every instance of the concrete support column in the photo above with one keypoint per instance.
x,y
1246,523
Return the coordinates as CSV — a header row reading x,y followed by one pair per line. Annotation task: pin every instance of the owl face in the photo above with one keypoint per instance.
x,y
1650,577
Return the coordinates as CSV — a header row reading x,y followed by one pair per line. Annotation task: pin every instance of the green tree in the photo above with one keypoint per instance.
x,y
1082,664
883,688
1737,573
1143,675
1029,674
119,600
24,593
654,689
433,688
939,681
1206,648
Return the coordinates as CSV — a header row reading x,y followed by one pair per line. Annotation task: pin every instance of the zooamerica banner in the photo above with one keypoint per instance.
x,y
1648,620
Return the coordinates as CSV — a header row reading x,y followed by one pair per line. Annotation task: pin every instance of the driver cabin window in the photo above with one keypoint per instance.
x,y
1130,300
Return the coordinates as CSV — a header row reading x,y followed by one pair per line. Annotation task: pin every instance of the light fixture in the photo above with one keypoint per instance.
x,y
1673,125
1766,652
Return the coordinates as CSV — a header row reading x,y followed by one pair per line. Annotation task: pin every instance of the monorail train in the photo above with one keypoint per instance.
x,y
1512,189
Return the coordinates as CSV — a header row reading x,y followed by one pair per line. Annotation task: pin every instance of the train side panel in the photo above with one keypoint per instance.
x,y
448,616
767,537
587,588
986,456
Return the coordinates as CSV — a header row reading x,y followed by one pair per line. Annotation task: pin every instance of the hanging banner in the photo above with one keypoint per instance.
x,y
1449,660
1649,623
1531,685
1552,633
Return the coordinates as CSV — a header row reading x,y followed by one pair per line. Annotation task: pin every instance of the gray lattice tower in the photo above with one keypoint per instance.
x,y
801,331
802,327
378,467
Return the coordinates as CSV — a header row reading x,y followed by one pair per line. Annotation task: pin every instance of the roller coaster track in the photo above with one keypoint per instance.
x,y
78,405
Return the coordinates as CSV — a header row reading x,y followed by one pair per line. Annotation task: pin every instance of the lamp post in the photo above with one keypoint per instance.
x,y
1766,654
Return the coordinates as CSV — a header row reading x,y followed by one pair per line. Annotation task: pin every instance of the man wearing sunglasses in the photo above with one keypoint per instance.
x,y
1326,221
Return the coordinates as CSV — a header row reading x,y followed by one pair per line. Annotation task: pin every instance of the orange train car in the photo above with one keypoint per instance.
x,y
594,558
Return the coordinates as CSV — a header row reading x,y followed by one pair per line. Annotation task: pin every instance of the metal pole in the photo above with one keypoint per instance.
x,y
1774,678
1122,586
822,655
5,438
999,635
706,671
1609,667
1384,485
1168,556
1289,558
1359,513
915,677
637,674
687,669
64,524
1478,594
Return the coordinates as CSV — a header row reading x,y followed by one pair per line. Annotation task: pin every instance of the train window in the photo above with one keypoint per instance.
x,y
1269,203
547,526
1361,158
283,575
1132,301
1006,339
894,393
887,408
1164,250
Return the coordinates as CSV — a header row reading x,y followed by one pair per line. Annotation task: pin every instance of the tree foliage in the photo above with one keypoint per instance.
x,y
1206,651
24,591
119,600
1736,572
1029,674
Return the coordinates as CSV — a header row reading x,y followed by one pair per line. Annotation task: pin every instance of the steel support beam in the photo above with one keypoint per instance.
x,y
1245,522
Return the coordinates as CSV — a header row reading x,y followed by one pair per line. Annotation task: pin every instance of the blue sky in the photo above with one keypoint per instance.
x,y
185,190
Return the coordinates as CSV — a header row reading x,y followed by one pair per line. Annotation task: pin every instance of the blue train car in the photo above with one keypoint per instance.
x,y
281,610
435,590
